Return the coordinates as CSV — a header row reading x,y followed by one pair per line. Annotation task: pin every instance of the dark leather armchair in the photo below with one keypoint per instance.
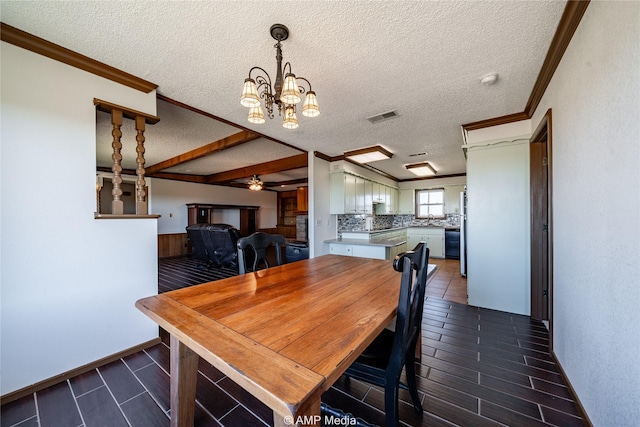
x,y
216,243
220,240
194,234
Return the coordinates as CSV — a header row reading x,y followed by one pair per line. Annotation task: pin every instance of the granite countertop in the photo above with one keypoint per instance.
x,y
372,232
388,243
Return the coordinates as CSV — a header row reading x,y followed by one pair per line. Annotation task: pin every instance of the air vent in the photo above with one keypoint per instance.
x,y
384,116
418,154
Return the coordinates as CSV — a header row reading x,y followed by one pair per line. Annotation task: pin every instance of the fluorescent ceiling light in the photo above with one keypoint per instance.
x,y
369,154
421,169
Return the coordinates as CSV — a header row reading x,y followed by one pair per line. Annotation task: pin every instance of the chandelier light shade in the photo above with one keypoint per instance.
x,y
284,93
421,169
368,155
250,94
290,93
256,115
290,119
310,107
255,184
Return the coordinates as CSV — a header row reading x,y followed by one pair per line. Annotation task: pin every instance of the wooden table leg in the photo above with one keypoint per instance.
x,y
308,415
184,376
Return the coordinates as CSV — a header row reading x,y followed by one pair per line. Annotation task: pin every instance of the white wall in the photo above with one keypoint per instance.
x,y
498,227
69,282
595,101
169,199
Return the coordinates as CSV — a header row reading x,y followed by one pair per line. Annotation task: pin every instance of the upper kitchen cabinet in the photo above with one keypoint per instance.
x,y
389,204
452,198
378,196
343,193
407,204
368,197
352,194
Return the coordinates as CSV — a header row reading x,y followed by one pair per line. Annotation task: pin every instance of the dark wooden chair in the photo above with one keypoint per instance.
x,y
381,363
252,251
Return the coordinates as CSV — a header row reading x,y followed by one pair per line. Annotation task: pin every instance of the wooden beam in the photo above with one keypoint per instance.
x,y
322,156
288,163
181,177
220,119
213,147
290,182
162,175
43,47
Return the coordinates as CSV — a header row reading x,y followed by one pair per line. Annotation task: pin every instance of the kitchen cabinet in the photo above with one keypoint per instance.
x,y
360,195
343,193
376,195
393,200
302,206
407,202
433,237
389,204
338,249
368,197
352,194
367,251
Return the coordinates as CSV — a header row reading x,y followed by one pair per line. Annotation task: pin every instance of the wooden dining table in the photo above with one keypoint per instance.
x,y
285,334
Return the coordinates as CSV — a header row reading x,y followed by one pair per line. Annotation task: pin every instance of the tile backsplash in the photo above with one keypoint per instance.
x,y
349,222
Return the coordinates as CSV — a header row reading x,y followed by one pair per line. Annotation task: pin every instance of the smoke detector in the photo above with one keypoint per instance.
x,y
489,79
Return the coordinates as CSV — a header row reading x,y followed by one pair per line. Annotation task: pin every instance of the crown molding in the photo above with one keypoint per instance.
x,y
571,17
510,118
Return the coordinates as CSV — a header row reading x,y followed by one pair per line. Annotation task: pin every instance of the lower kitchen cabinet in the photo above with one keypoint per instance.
x,y
367,251
433,237
337,249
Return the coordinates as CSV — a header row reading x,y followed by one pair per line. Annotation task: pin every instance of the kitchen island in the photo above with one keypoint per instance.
x,y
385,244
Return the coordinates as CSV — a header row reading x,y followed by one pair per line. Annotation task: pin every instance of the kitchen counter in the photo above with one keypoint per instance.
x,y
384,247
387,243
446,227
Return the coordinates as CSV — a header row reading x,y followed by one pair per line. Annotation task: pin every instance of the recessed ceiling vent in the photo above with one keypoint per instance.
x,y
418,154
384,116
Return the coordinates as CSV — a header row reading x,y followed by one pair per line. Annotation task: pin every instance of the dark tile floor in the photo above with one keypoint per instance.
x,y
479,367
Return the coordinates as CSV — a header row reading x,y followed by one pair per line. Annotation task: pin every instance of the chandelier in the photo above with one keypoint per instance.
x,y
285,93
255,184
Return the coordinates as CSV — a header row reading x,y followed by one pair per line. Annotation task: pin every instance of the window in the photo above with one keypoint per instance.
x,y
430,203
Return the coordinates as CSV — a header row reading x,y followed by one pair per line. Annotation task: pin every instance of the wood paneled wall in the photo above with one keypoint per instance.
x,y
170,245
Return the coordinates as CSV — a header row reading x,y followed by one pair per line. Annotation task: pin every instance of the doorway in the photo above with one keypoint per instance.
x,y
541,227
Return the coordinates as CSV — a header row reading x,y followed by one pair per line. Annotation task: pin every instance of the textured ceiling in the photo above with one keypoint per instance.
x,y
423,59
